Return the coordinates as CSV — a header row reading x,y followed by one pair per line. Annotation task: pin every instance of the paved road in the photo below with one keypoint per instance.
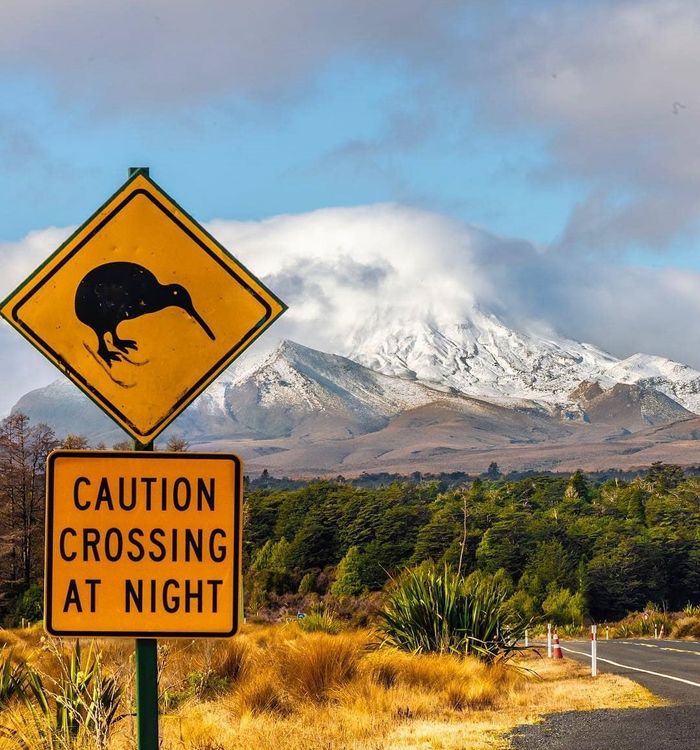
x,y
670,669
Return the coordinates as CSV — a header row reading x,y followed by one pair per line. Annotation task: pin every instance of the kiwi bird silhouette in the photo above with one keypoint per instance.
x,y
115,292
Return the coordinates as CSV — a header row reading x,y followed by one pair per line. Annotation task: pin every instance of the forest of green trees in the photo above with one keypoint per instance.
x,y
565,547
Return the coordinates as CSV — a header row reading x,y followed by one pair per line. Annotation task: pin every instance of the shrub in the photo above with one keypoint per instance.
x,y
438,611
30,605
348,580
687,627
638,624
80,705
561,607
307,585
321,621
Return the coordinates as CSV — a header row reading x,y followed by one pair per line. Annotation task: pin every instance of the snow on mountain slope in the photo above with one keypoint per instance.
x,y
676,380
300,380
482,357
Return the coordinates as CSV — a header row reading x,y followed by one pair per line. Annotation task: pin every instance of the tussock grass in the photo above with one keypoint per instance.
x,y
314,666
263,693
278,686
234,659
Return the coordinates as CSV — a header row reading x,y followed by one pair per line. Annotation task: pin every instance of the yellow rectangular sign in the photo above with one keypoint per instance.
x,y
143,544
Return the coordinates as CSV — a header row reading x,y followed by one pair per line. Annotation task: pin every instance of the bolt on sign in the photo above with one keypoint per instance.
x,y
141,308
143,544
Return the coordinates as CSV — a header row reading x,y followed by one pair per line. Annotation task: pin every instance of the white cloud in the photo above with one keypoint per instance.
x,y
416,263
340,268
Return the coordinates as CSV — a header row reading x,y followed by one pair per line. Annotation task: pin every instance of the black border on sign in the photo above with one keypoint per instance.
x,y
193,391
138,456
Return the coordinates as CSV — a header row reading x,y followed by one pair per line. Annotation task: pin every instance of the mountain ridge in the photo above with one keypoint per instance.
x,y
472,388
483,357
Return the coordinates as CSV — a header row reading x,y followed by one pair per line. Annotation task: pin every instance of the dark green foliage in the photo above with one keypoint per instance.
x,y
493,472
570,546
665,476
507,543
30,606
578,485
573,548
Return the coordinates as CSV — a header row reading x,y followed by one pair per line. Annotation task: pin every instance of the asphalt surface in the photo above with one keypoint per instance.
x,y
675,664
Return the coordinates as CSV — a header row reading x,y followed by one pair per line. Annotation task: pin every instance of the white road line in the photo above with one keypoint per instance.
x,y
635,669
662,648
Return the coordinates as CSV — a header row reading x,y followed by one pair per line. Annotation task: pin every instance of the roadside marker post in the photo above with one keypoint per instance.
x,y
141,308
549,640
594,650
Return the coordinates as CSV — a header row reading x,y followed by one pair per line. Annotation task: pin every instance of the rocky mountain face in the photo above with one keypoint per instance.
x,y
419,398
631,407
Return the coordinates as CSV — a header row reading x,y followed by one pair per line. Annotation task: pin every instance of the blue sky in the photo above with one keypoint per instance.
x,y
567,129
336,143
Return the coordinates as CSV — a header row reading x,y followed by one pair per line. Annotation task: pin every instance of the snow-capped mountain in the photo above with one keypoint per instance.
x,y
425,397
483,357
294,385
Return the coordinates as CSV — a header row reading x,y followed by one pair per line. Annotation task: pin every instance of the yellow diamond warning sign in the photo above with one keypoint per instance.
x,y
143,544
142,308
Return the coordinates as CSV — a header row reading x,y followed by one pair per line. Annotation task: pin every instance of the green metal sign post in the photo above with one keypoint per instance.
x,y
147,693
146,676
146,661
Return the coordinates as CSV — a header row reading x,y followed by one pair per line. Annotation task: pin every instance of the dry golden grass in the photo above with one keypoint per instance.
x,y
687,627
276,686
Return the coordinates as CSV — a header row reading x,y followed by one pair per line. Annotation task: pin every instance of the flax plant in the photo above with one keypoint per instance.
x,y
438,611
77,708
